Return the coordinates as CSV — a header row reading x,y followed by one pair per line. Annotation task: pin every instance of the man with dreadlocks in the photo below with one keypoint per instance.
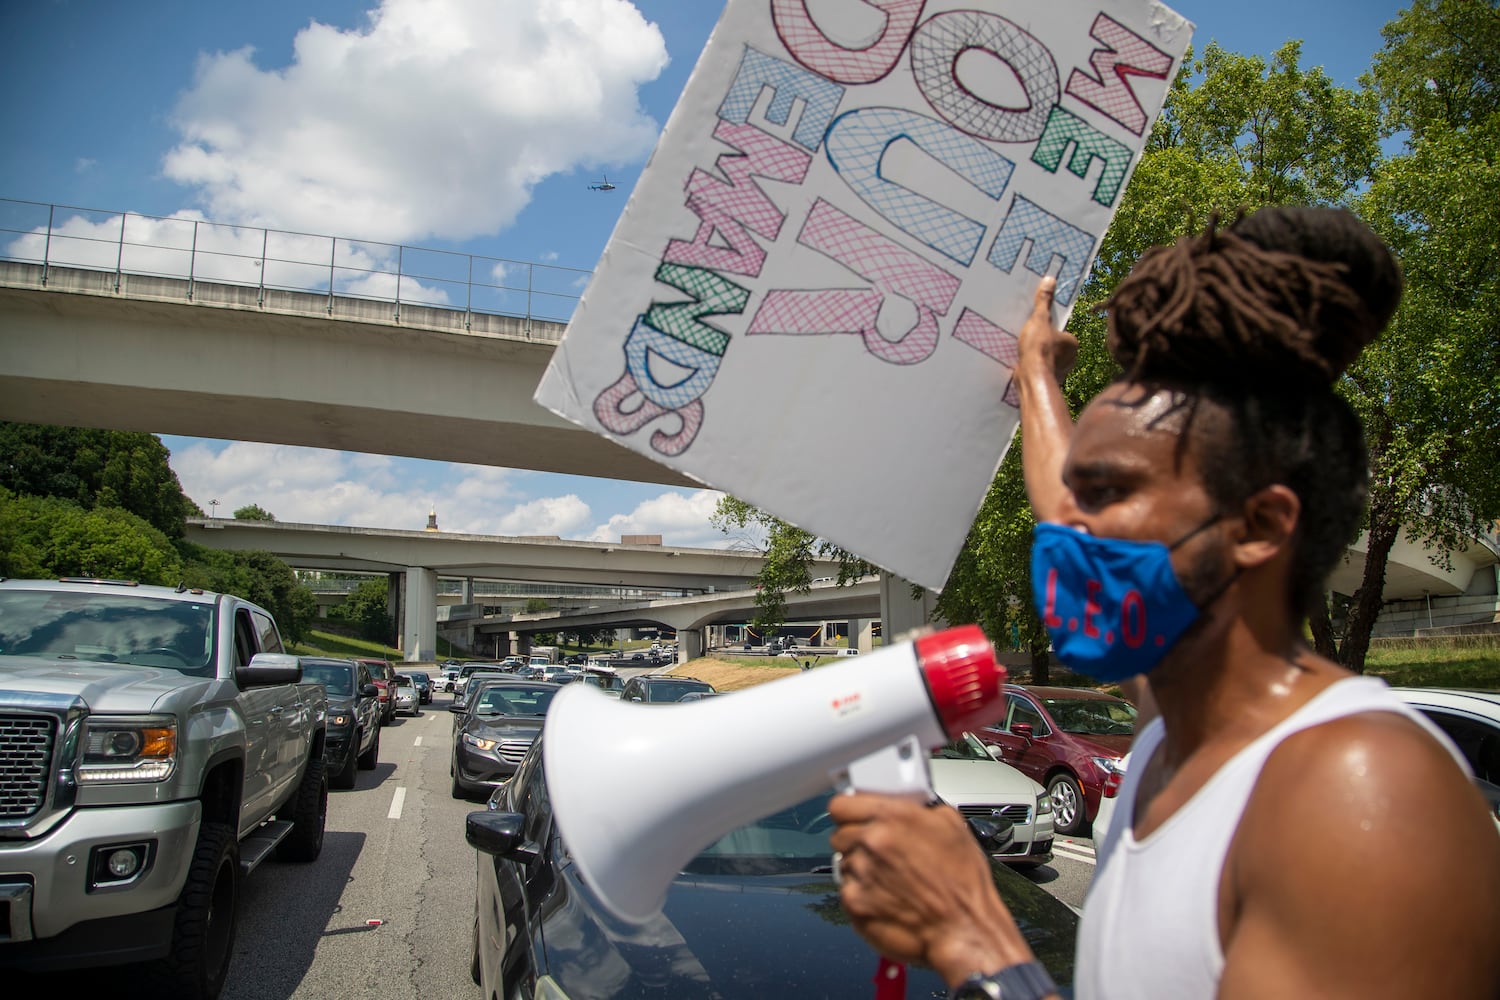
x,y
1287,829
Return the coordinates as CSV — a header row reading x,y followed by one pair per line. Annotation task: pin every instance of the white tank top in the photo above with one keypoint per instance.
x,y
1150,928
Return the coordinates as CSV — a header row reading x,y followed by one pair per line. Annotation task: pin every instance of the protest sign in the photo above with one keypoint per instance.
x,y
811,299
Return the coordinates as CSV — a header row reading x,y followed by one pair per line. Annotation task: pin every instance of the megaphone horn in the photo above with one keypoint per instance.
x,y
680,777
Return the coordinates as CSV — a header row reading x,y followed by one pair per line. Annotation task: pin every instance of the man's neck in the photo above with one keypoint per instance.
x,y
1233,680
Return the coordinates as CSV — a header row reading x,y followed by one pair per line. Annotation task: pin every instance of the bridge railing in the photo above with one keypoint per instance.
x,y
129,243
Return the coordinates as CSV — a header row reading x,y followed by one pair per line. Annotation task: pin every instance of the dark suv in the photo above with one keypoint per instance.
x,y
661,689
353,716
1068,740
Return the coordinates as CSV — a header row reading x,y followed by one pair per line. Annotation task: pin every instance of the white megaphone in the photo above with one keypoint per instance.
x,y
680,777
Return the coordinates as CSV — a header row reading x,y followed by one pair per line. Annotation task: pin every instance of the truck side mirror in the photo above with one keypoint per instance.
x,y
369,691
267,669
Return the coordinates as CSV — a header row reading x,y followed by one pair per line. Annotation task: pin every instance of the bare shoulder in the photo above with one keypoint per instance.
x,y
1362,829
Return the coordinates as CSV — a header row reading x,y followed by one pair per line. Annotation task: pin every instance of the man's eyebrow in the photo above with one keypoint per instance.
x,y
1101,468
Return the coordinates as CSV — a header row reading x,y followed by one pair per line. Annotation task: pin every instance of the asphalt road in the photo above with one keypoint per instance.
x,y
387,910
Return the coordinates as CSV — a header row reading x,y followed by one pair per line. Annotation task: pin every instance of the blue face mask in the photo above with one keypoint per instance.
x,y
1112,607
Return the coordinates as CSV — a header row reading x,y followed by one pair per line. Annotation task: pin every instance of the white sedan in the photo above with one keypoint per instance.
x,y
965,776
1471,719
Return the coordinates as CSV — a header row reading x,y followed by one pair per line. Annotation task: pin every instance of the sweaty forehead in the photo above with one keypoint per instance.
x,y
1128,425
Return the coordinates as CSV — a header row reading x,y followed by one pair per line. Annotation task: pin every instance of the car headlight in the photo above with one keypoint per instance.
x,y
1106,765
482,744
340,720
1043,803
128,748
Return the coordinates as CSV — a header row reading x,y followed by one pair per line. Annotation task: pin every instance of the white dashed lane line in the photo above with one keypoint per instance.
x,y
417,742
397,801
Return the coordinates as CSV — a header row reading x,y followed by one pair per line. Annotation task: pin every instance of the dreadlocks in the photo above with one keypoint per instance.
x,y
1251,326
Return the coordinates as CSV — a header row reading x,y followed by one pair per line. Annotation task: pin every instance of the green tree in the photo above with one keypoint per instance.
x,y
366,609
789,554
253,512
51,537
536,605
96,468
1428,392
259,577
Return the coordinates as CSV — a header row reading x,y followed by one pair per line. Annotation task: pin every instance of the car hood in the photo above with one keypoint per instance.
x,y
1103,746
340,703
104,687
729,937
962,781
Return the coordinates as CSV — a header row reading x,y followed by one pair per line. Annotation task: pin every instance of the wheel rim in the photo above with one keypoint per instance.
x,y
1064,803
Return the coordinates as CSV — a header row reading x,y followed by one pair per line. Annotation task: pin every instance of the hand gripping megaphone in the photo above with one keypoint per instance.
x,y
639,790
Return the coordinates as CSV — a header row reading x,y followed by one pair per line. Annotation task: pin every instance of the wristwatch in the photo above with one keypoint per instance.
x,y
1026,981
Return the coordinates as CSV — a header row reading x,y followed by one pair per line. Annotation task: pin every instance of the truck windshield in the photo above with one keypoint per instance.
x,y
336,678
111,628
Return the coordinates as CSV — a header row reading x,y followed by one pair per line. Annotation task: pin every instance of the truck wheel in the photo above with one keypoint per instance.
x,y
203,928
370,757
309,813
344,777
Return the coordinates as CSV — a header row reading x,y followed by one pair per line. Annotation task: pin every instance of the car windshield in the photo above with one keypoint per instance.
x,y
514,700
661,691
965,747
790,841
336,678
420,677
403,681
130,629
1092,716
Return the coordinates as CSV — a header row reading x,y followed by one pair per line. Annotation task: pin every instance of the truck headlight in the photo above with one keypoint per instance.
x,y
339,720
128,748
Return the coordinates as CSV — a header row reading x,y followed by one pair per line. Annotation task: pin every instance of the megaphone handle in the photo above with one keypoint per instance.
x,y
897,769
890,980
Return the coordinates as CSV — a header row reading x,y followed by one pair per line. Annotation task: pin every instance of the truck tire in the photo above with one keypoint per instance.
x,y
309,814
344,776
371,757
204,925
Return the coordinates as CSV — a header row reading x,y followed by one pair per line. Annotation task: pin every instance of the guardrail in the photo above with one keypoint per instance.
x,y
281,260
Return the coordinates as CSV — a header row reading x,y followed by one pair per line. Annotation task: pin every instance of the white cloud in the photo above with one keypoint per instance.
x,y
563,516
681,519
434,119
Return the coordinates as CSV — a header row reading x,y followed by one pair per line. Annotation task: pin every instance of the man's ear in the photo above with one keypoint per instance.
x,y
1270,518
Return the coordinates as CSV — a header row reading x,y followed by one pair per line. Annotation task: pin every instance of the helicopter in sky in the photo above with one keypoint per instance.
x,y
603,185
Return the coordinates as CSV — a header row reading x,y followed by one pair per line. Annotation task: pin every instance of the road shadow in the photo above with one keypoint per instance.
x,y
284,909
1040,875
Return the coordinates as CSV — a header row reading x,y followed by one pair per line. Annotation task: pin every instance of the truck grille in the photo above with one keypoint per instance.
x,y
25,753
511,751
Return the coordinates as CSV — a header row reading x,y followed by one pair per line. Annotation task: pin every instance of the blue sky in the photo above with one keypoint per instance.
x,y
355,118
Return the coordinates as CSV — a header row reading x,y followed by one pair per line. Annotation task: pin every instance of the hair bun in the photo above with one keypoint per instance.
x,y
1285,298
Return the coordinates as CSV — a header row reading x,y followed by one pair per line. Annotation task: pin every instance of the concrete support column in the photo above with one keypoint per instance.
x,y
520,643
420,635
394,584
899,613
689,644
862,634
468,590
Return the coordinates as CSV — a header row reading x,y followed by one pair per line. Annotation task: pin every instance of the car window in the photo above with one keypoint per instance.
x,y
265,630
127,629
336,678
1478,742
664,690
1022,711
1092,716
965,747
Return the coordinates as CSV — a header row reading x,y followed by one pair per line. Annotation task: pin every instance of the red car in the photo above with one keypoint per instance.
x,y
384,676
1069,740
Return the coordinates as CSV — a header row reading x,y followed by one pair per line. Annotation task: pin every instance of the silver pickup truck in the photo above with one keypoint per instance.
x,y
155,745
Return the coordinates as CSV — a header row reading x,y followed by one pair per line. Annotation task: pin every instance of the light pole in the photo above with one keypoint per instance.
x,y
213,508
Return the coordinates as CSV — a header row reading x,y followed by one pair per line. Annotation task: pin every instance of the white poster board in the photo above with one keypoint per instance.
x,y
811,299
